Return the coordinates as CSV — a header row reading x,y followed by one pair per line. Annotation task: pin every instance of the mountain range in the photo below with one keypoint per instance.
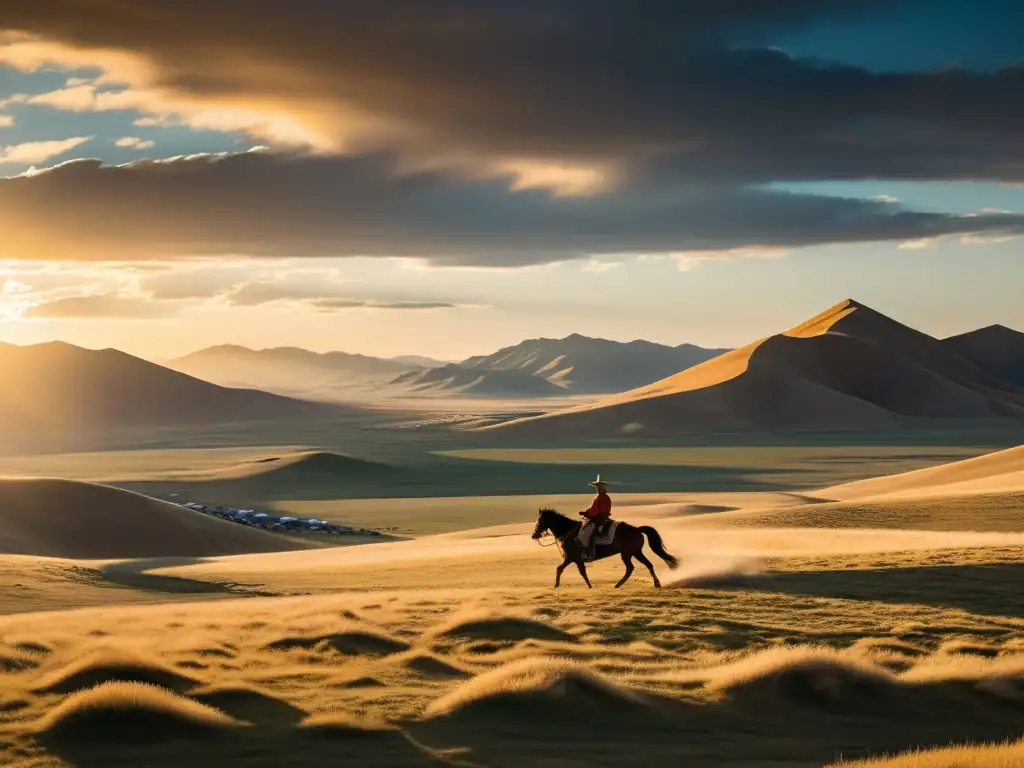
x,y
582,365
575,365
849,367
61,389
291,370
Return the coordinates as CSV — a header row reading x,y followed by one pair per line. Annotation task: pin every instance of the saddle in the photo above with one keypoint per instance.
x,y
605,532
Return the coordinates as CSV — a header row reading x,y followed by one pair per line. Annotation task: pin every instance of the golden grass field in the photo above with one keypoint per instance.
x,y
880,621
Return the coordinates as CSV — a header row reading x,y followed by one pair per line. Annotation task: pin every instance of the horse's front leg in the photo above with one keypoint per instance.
x,y
583,572
558,572
628,561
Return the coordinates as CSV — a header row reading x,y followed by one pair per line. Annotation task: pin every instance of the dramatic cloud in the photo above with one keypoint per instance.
x,y
133,142
103,306
565,92
489,133
6,121
274,205
33,152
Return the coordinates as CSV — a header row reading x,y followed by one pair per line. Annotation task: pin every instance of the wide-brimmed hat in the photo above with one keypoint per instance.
x,y
599,483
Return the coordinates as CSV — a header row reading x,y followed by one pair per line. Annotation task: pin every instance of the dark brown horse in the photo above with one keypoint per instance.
x,y
628,542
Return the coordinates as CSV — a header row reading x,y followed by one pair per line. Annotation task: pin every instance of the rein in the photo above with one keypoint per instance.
x,y
556,539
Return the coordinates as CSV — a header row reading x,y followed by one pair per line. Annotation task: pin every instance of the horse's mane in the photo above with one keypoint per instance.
x,y
556,512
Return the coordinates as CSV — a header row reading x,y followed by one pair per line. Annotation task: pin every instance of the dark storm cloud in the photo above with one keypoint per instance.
x,y
684,106
268,204
663,88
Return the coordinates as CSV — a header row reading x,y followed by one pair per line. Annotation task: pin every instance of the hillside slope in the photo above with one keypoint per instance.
x,y
848,367
281,476
60,388
999,472
996,349
70,519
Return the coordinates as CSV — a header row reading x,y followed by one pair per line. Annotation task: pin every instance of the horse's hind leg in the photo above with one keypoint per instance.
x,y
650,567
583,572
628,561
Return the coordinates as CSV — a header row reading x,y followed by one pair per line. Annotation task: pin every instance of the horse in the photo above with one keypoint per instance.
x,y
628,542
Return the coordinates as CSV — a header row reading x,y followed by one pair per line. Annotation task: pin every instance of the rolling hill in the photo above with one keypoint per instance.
x,y
983,493
999,472
996,349
849,367
60,389
279,476
70,519
583,365
289,370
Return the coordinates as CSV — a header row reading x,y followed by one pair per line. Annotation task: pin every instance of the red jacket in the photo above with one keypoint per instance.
x,y
602,506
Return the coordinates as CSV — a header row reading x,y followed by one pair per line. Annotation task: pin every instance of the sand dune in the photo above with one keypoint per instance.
x,y
996,349
937,512
63,518
849,367
999,472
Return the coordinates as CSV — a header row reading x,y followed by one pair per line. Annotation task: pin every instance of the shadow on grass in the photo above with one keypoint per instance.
x,y
457,477
982,589
253,750
795,727
134,574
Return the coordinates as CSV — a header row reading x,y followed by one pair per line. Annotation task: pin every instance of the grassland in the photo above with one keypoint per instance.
x,y
757,674
798,630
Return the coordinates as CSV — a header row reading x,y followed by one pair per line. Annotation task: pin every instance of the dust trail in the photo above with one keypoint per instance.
x,y
714,569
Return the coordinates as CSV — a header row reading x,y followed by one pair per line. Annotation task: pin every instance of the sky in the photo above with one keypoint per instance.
x,y
449,177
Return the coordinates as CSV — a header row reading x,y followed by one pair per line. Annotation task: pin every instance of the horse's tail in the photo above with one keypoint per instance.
x,y
654,538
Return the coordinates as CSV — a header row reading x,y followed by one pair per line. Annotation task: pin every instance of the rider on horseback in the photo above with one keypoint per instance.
x,y
598,514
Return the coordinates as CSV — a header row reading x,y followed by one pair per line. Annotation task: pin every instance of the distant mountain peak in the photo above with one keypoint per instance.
x,y
580,364
998,328
996,348
848,367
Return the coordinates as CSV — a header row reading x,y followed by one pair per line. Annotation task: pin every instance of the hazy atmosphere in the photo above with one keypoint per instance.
x,y
489,384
